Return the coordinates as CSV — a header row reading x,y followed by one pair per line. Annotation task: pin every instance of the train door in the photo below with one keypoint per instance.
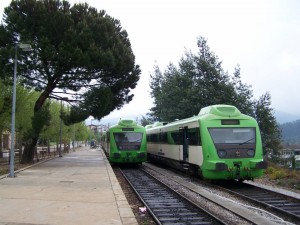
x,y
158,140
185,143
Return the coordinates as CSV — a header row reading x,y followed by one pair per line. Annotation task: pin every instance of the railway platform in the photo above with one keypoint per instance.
x,y
78,188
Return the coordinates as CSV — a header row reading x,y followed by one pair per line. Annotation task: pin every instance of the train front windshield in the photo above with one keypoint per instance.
x,y
128,140
232,135
234,142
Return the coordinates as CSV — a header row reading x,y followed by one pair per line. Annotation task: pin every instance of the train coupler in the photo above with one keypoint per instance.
x,y
238,170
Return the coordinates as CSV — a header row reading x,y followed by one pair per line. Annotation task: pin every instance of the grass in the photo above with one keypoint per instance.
x,y
3,171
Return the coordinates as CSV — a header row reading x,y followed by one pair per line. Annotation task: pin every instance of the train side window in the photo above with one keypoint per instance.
x,y
148,138
194,136
163,137
152,138
177,137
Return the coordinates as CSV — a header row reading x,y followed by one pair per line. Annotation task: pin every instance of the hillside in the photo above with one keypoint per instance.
x,y
291,132
284,117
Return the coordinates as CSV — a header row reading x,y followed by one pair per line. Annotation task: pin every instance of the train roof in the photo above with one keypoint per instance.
x,y
127,123
208,113
220,110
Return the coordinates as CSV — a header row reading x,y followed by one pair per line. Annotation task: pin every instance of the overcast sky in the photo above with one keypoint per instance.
x,y
262,36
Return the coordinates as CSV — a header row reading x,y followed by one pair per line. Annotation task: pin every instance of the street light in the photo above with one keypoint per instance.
x,y
24,47
60,126
74,138
91,133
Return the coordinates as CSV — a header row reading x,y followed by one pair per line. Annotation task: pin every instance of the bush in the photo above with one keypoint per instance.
x,y
270,170
277,174
284,177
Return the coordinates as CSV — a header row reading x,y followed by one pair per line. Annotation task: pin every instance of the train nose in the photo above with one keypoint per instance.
x,y
141,155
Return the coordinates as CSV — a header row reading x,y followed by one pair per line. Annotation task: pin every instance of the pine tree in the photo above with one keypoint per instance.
x,y
77,52
200,81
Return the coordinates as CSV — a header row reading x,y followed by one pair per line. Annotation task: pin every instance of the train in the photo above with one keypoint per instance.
x,y
126,143
220,143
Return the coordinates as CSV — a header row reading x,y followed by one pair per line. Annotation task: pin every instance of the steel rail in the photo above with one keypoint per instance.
x,y
164,204
283,204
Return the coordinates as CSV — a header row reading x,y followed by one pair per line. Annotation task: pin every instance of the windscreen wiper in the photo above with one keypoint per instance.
x,y
246,141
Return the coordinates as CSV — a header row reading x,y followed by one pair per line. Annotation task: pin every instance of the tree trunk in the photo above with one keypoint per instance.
x,y
28,153
38,123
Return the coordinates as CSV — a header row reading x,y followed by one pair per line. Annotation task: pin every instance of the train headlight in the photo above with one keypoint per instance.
x,y
250,152
222,153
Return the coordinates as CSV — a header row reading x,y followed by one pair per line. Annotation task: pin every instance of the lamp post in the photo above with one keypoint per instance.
x,y
91,132
24,47
74,138
60,126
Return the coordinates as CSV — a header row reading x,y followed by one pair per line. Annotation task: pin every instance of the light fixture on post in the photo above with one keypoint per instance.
x,y
24,47
60,126
91,132
74,138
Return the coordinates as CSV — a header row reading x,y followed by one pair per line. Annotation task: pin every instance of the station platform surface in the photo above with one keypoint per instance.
x,y
78,188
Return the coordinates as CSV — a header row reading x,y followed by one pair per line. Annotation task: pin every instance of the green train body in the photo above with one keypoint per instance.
x,y
220,143
126,143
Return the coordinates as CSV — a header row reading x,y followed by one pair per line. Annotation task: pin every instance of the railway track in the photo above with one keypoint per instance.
x,y
229,207
287,206
164,204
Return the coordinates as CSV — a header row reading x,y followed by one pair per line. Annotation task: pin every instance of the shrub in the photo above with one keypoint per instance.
x,y
278,174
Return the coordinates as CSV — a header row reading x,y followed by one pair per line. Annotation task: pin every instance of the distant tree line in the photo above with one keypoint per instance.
x,y
24,113
199,81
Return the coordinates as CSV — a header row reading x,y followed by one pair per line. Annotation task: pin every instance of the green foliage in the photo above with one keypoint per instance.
x,y
72,48
49,117
76,50
274,172
98,108
5,105
24,107
278,174
269,128
51,131
74,115
200,81
242,95
41,118
79,131
146,121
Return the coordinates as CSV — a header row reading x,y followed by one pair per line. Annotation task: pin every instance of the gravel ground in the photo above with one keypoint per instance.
x,y
133,200
225,215
163,175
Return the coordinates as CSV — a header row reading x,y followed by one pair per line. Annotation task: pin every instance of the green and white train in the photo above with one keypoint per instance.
x,y
126,143
220,143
